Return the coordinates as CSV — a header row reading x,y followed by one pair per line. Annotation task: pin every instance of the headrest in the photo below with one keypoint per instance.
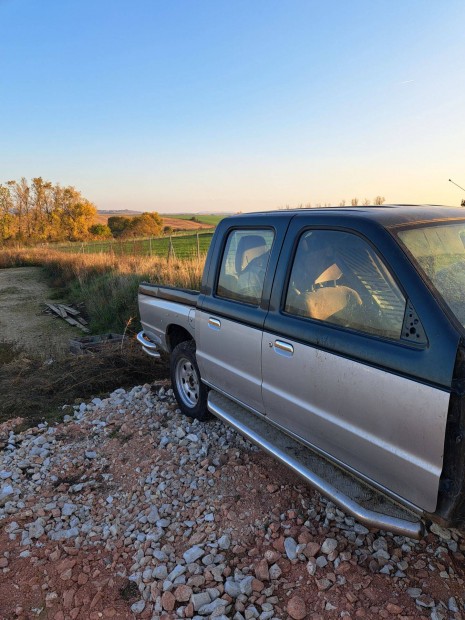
x,y
332,273
248,248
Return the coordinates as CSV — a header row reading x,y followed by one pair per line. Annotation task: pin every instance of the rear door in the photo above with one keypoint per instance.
x,y
229,321
346,362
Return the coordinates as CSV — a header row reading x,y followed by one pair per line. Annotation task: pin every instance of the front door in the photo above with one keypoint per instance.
x,y
341,308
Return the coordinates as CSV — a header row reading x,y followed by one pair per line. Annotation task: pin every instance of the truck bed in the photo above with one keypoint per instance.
x,y
184,296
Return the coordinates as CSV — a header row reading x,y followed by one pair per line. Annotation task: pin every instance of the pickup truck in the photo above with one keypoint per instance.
x,y
333,339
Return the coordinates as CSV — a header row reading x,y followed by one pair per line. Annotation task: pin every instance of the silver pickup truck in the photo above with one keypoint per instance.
x,y
334,339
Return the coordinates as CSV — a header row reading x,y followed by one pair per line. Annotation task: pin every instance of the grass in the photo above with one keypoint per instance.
x,y
106,283
38,390
211,220
183,246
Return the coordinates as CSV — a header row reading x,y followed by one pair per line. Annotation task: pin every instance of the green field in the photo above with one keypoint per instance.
x,y
211,220
181,246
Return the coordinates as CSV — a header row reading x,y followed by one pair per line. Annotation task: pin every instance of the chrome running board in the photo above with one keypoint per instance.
x,y
148,346
353,496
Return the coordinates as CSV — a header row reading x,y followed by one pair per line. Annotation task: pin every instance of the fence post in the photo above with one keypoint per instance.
x,y
198,247
171,253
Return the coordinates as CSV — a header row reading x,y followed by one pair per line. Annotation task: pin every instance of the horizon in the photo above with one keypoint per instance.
x,y
217,108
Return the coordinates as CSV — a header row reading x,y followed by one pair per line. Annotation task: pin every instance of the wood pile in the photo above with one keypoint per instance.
x,y
69,314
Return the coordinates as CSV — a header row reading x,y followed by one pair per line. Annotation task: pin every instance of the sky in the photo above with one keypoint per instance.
x,y
238,105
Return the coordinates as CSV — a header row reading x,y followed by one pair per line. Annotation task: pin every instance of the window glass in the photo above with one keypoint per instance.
x,y
338,278
244,264
439,251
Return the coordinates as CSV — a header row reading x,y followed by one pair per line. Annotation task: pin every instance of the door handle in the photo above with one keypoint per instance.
x,y
283,347
214,323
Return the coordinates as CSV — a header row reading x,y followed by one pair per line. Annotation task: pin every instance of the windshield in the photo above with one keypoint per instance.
x,y
440,252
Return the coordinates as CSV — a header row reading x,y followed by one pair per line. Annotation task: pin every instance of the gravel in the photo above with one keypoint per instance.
x,y
128,475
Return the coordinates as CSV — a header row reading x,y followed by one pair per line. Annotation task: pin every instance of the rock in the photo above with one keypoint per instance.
x,y
182,594
68,510
296,608
168,601
261,570
224,542
323,584
290,547
36,529
138,608
232,588
424,601
311,566
329,545
246,585
440,531
275,572
414,592
91,454
3,562
200,600
312,549
193,554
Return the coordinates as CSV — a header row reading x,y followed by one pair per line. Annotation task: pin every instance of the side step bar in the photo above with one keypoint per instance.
x,y
353,496
148,346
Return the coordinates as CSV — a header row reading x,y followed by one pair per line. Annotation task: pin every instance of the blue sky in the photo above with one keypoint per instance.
x,y
235,105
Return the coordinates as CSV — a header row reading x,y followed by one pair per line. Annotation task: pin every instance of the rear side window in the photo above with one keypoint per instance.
x,y
338,278
244,263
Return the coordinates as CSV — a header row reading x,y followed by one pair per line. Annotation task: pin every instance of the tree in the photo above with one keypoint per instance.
x,y
342,203
40,211
379,200
100,231
145,225
7,220
366,202
354,202
118,224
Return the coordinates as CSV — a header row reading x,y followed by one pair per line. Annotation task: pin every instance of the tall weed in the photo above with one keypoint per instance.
x,y
107,284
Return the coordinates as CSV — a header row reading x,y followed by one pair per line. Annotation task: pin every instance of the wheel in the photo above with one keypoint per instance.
x,y
189,390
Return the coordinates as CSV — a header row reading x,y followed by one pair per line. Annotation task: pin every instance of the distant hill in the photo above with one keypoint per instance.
x,y
118,212
181,221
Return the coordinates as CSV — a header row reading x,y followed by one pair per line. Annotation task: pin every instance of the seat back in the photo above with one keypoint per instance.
x,y
248,248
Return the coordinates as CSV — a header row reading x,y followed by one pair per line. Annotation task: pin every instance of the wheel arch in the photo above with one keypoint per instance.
x,y
175,334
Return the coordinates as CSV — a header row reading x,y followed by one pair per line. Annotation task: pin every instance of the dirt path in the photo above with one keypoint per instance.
x,y
23,293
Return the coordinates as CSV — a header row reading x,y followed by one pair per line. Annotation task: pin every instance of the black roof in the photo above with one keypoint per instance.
x,y
386,215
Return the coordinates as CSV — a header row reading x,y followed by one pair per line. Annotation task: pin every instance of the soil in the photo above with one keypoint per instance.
x,y
24,291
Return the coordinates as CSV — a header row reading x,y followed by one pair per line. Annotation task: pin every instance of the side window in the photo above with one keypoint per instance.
x,y
338,278
244,264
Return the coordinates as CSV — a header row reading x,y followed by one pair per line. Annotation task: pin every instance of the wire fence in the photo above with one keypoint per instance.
x,y
182,247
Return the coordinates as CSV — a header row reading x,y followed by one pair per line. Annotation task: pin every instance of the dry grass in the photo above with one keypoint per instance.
x,y
82,267
37,391
107,284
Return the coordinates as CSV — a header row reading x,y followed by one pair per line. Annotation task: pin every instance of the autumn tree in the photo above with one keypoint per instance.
x,y
7,220
145,225
117,224
40,211
100,231
379,200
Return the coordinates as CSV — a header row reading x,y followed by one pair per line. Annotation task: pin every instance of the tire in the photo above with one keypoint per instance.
x,y
188,388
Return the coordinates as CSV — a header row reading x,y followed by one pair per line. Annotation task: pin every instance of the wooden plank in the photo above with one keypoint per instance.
x,y
57,310
82,320
69,309
75,323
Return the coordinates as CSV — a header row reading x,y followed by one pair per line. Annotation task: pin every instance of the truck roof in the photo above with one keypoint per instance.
x,y
388,216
